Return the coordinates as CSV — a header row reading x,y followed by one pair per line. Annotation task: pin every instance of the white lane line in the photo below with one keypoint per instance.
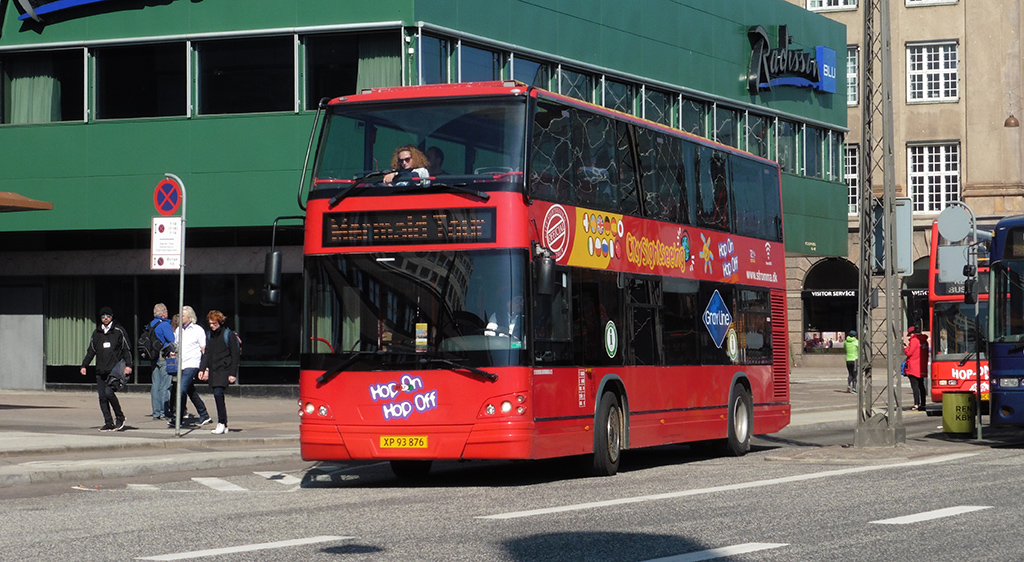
x,y
143,487
245,548
720,552
285,479
728,488
929,515
219,485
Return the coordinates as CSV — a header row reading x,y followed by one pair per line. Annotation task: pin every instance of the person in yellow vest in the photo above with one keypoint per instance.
x,y
852,347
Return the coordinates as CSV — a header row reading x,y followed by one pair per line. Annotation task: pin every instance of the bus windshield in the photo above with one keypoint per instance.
x,y
402,309
953,329
1008,301
463,140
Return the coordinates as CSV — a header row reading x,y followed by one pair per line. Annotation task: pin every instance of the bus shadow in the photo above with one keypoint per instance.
x,y
597,546
502,473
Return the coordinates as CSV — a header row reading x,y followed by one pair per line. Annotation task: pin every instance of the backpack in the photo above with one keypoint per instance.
x,y
149,345
227,341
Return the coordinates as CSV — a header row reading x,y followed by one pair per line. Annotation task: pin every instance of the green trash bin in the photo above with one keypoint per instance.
x,y
958,412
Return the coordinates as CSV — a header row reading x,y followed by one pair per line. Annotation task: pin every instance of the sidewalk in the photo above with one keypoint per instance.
x,y
52,436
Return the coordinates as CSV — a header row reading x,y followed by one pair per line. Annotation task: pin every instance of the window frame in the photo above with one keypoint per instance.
x,y
942,74
852,77
851,171
929,196
839,5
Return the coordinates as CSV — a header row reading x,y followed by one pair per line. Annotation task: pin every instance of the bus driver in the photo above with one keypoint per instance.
x,y
410,167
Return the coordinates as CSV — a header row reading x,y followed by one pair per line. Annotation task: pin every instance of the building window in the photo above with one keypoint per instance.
x,y
934,176
618,96
932,72
531,72
141,81
341,65
912,3
575,85
787,146
814,163
246,75
658,106
826,5
726,123
691,117
43,87
853,178
478,65
758,134
433,60
852,66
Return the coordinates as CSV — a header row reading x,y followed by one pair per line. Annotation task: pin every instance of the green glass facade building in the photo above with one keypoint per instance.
x,y
100,99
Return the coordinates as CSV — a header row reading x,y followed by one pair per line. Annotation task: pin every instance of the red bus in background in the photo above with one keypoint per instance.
x,y
570,280
953,338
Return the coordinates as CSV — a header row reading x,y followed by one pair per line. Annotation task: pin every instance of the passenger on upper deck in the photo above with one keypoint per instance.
x,y
410,167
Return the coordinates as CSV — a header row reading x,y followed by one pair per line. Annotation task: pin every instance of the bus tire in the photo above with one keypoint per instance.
x,y
741,421
608,434
407,470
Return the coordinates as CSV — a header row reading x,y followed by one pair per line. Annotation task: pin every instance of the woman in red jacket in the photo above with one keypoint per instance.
x,y
916,351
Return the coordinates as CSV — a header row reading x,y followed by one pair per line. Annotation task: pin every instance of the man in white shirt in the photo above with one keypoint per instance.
x,y
190,354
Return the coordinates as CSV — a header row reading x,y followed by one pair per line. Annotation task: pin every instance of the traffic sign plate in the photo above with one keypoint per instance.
x,y
167,197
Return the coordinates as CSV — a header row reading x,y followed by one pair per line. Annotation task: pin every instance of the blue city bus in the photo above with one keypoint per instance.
x,y
1006,323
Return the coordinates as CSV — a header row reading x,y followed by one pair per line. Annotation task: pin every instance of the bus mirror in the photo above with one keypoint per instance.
x,y
272,279
971,291
545,275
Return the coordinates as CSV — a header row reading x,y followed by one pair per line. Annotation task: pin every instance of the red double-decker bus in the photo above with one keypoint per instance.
x,y
568,281
953,329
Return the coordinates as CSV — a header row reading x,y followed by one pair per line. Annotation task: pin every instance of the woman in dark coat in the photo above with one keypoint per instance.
x,y
219,364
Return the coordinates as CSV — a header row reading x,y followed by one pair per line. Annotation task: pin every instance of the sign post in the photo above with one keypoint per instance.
x,y
167,252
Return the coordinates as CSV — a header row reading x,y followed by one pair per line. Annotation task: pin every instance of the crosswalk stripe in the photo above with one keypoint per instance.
x,y
245,548
285,479
143,487
929,515
720,552
219,485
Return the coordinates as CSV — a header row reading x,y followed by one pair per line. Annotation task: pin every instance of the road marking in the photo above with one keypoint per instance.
x,y
285,479
728,488
219,485
720,552
244,548
143,487
929,515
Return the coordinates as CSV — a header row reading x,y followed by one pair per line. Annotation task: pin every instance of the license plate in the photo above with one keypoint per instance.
x,y
403,441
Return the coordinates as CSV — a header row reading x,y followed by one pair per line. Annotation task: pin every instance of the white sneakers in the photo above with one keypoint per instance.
x,y
220,429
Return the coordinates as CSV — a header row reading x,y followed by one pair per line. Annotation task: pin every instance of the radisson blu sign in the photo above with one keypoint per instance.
x,y
35,9
784,67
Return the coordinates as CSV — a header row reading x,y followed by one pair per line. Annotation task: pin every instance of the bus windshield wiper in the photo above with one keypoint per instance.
x,y
329,375
459,366
460,187
357,181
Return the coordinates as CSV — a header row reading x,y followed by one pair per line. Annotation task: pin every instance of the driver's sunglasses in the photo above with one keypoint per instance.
x,y
404,160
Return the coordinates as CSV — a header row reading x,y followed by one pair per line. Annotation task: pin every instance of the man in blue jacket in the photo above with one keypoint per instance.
x,y
160,393
109,344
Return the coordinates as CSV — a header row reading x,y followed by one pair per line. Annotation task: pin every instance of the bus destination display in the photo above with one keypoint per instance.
x,y
427,226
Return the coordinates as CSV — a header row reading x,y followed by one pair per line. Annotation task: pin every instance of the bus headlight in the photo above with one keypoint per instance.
x,y
1009,382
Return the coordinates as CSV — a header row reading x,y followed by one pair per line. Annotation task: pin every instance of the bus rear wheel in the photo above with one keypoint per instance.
x,y
741,421
407,470
608,433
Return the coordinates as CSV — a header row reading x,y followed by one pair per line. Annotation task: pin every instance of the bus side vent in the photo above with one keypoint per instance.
x,y
780,348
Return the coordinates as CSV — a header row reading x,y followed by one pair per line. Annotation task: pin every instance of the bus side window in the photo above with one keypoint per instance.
x,y
597,318
714,208
552,323
680,312
645,337
551,174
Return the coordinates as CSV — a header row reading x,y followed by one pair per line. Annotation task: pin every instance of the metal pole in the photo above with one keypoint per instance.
x,y
181,306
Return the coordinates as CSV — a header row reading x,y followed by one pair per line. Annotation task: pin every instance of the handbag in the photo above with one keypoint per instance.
x,y
172,365
117,380
903,368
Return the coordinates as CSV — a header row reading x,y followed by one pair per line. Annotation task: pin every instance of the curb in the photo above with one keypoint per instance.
x,y
49,472
177,443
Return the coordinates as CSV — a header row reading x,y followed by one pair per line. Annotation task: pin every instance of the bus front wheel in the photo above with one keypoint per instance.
x,y
608,433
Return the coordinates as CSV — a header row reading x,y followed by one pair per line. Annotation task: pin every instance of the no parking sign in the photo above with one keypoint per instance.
x,y
167,232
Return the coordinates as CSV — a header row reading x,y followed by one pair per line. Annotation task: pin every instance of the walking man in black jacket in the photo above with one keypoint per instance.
x,y
109,344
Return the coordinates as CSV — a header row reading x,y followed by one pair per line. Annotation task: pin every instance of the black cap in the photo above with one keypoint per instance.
x,y
105,311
